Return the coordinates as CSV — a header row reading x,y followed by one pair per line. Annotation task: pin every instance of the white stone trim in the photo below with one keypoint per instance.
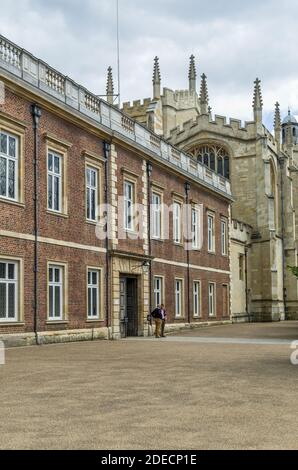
x,y
51,241
192,266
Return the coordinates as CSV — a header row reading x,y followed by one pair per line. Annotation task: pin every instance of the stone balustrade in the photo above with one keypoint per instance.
x,y
25,66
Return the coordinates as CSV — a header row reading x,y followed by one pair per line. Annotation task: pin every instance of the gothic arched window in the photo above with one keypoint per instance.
x,y
214,157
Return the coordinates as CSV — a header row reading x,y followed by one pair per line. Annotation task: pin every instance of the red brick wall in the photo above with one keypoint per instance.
x,y
75,229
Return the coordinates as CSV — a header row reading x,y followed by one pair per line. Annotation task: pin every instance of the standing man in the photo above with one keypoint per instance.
x,y
163,320
157,315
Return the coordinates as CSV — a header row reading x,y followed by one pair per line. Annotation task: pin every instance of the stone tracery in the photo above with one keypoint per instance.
x,y
214,157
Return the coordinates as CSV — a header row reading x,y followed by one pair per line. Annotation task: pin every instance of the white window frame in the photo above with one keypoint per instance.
x,y
156,215
195,227
51,174
94,287
211,299
7,282
158,291
211,232
178,298
197,311
14,159
54,284
224,237
177,219
92,189
129,205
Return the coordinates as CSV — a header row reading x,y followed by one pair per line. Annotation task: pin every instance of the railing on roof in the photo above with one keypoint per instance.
x,y
36,72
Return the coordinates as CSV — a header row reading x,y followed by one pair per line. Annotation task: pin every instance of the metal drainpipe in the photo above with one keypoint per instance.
x,y
281,162
187,189
149,173
36,114
106,151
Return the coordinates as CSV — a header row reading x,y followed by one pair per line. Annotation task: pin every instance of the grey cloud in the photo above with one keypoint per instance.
x,y
233,42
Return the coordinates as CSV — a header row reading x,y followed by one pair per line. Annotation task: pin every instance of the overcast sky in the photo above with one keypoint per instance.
x,y
234,42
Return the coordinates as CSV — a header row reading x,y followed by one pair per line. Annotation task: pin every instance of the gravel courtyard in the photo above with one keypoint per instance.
x,y
225,387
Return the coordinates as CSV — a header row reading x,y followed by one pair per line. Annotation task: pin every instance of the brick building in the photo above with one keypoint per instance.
x,y
72,164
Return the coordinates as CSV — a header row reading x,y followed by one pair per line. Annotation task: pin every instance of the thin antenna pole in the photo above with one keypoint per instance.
x,y
118,52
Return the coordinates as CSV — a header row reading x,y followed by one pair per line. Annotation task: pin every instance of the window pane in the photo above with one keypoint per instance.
x,y
88,176
2,300
212,161
11,301
2,176
89,301
56,194
219,166
57,301
50,162
57,165
226,167
11,271
2,270
57,275
11,179
93,203
51,274
12,147
88,204
93,178
51,301
94,278
3,143
50,192
94,299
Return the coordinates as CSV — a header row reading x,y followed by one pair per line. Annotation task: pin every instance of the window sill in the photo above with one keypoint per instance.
x,y
91,222
178,244
94,320
211,252
131,232
10,201
56,322
11,323
59,214
160,240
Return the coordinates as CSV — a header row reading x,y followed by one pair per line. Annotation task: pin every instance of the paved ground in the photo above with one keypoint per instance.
x,y
180,392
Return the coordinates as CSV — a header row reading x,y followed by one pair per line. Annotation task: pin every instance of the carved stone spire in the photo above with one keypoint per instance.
x,y
204,100
257,101
156,79
110,86
277,123
192,74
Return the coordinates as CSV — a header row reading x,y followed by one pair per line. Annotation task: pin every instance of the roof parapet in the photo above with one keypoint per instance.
x,y
23,68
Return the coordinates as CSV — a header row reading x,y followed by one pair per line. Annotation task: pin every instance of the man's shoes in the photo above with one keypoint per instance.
x,y
163,336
